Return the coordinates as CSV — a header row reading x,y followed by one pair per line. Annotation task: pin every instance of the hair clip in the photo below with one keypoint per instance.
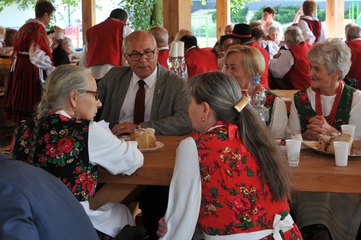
x,y
241,104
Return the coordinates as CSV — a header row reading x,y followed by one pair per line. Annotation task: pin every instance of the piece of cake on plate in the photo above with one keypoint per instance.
x,y
145,138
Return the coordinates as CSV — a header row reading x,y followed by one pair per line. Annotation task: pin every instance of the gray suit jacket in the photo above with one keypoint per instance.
x,y
170,101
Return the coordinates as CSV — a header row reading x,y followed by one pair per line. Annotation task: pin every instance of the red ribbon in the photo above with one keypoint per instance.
x,y
233,131
242,35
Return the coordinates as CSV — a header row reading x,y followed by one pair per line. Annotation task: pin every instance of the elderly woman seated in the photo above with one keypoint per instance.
x,y
291,67
232,187
64,140
245,62
322,109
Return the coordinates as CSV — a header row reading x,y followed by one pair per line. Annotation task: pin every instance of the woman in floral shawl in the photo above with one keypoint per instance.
x,y
231,177
243,63
64,140
322,109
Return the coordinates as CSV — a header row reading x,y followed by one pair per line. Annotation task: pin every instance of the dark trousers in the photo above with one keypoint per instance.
x,y
153,202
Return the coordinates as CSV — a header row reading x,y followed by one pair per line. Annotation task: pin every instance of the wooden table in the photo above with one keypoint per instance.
x,y
315,173
286,95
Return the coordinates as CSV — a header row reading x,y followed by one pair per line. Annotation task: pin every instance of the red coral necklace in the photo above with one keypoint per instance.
x,y
331,118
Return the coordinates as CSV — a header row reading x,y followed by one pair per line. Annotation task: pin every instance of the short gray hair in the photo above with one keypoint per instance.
x,y
293,36
161,36
334,54
353,32
273,28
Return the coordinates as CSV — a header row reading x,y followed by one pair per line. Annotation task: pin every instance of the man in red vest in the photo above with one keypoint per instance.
x,y
292,66
353,41
198,60
104,47
161,37
311,26
242,34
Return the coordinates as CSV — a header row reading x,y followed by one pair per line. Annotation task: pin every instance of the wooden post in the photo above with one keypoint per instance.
x,y
223,16
176,15
88,15
335,18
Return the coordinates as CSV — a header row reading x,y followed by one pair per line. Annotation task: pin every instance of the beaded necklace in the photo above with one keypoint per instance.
x,y
330,118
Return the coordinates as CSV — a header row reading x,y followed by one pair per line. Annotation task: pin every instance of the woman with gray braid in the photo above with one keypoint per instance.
x,y
231,177
64,140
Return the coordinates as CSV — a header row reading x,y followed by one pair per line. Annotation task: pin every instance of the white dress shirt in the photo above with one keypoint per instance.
x,y
127,110
280,66
294,126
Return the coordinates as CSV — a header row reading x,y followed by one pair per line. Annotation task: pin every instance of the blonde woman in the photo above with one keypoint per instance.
x,y
245,62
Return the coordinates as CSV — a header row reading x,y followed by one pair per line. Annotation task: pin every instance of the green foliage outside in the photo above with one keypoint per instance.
x,y
140,13
238,15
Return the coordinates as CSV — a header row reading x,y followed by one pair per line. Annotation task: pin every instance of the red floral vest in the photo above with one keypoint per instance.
x,y
234,200
62,150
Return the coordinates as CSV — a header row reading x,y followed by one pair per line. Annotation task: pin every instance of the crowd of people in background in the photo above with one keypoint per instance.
x,y
123,77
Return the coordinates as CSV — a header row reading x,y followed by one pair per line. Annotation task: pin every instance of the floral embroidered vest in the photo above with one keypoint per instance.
x,y
270,99
62,150
234,200
305,111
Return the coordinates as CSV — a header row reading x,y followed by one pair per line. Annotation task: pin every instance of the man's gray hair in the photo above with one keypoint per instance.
x,y
293,36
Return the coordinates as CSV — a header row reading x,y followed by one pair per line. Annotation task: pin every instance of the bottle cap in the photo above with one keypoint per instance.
x,y
256,79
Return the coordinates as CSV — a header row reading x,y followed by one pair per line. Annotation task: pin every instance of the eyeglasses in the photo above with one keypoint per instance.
x,y
96,94
148,54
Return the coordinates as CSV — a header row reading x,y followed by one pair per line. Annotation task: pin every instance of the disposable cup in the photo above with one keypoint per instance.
x,y
293,152
341,153
348,129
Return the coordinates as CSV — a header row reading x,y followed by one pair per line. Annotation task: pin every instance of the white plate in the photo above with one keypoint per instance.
x,y
355,150
159,145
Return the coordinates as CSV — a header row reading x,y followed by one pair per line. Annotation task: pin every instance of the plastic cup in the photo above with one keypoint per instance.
x,y
293,152
341,153
348,129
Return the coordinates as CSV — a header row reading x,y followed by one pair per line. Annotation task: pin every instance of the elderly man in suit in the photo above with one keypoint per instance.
x,y
165,99
36,205
145,94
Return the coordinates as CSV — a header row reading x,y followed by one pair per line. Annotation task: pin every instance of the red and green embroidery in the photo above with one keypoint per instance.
x,y
62,149
305,111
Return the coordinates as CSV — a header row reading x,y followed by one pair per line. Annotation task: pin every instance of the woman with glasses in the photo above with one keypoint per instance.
x,y
64,140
